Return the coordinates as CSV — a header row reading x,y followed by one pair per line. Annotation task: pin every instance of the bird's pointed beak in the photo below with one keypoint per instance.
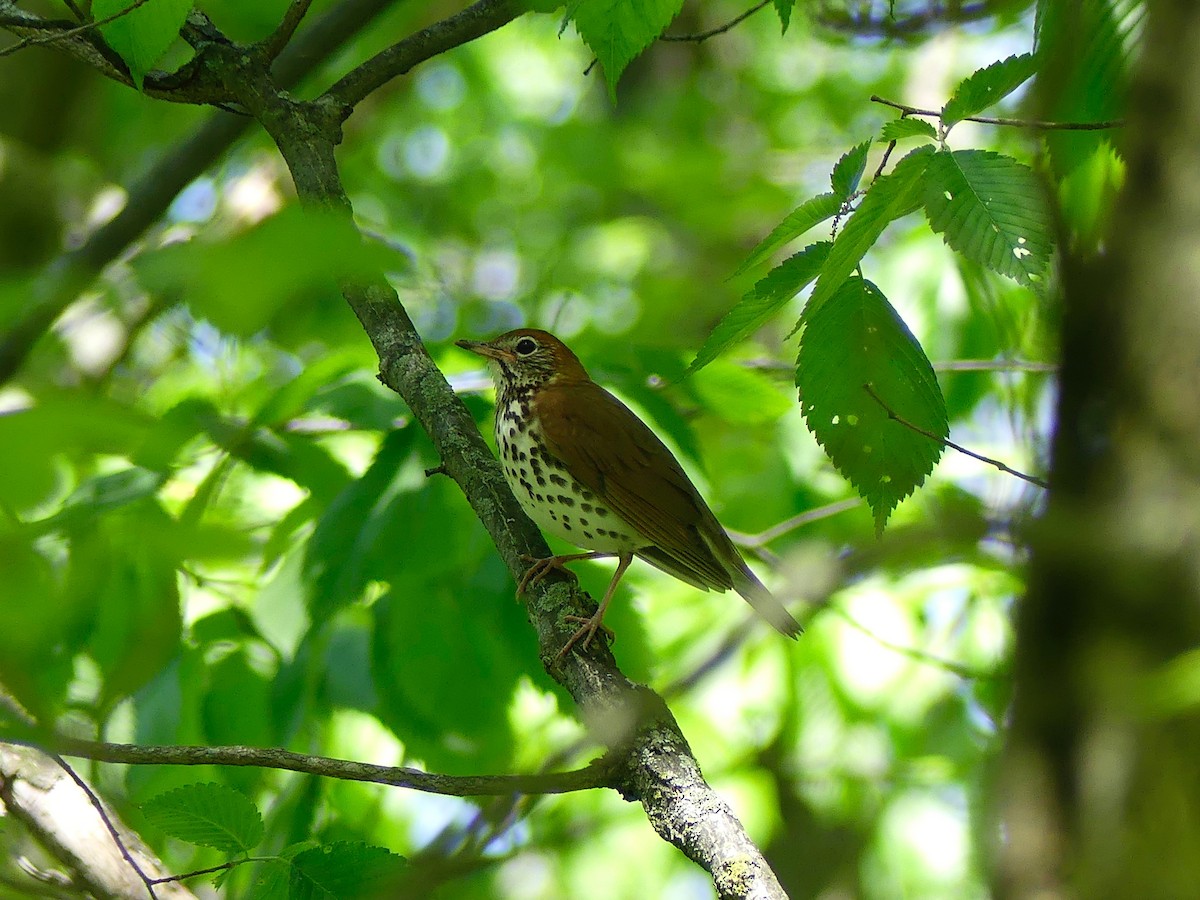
x,y
484,349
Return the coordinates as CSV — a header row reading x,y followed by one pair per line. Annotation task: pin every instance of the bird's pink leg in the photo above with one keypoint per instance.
x,y
540,568
592,624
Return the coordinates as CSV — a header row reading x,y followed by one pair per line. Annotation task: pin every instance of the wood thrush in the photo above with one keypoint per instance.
x,y
584,467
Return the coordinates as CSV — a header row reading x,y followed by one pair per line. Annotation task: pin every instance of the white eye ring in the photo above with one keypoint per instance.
x,y
526,346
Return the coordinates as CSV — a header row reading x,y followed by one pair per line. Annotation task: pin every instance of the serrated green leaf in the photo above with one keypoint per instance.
x,y
344,871
618,30
988,86
811,212
759,303
857,339
142,35
271,879
990,209
889,197
228,283
899,129
211,815
784,9
849,170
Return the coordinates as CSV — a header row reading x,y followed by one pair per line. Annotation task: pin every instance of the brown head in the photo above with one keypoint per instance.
x,y
527,358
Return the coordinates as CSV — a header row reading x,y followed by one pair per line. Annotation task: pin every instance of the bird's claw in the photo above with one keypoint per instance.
x,y
539,568
587,631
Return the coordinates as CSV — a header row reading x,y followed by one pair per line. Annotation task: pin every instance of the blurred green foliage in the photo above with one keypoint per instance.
x,y
216,526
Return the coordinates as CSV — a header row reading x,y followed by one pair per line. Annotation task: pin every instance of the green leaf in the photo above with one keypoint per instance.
x,y
339,559
211,815
849,170
1087,51
345,871
142,35
811,212
990,209
618,30
857,339
741,395
451,698
988,86
899,129
889,197
762,301
241,283
784,9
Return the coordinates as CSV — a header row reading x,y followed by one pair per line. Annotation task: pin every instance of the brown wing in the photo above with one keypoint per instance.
x,y
616,456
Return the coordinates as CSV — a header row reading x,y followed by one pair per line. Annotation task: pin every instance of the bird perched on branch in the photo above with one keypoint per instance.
x,y
585,468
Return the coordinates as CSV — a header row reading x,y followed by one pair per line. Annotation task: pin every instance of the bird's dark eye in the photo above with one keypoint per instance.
x,y
525,346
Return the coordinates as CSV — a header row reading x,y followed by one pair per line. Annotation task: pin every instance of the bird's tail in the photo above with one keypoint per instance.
x,y
763,601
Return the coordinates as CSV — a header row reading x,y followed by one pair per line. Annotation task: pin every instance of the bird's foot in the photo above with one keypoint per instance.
x,y
586,631
539,568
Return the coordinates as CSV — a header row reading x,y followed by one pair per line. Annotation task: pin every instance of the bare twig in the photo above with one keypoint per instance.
x,y
476,20
1036,124
597,775
702,36
210,870
789,525
59,35
98,805
995,365
1032,479
74,8
914,653
274,43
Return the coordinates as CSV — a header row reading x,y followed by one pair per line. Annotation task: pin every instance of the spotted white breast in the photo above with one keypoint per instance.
x,y
558,503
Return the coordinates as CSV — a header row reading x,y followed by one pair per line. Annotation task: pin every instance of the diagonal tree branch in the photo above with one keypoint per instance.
x,y
655,764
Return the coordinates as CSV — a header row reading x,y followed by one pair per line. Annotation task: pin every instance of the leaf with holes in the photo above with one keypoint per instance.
x,y
345,871
899,129
889,198
990,209
143,34
849,170
857,361
987,87
211,815
811,212
762,301
618,30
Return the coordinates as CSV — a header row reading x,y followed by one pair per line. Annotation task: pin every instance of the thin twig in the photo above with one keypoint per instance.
x,y
596,775
994,365
70,32
702,36
104,817
1032,479
478,19
74,8
221,868
273,44
791,524
914,653
1019,123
